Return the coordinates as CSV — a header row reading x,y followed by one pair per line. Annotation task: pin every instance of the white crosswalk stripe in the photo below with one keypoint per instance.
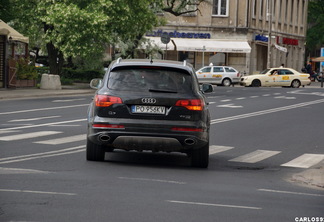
x,y
63,140
8,131
28,135
305,161
218,149
255,156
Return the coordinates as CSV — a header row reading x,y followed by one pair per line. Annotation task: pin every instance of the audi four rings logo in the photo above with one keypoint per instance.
x,y
149,100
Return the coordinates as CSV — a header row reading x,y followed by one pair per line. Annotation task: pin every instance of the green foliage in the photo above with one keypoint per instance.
x,y
81,75
315,37
6,11
25,70
81,29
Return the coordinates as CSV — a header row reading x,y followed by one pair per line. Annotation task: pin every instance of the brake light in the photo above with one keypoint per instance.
x,y
238,74
104,100
186,129
108,126
191,104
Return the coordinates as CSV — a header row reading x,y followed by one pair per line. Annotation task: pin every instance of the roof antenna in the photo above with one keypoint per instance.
x,y
151,60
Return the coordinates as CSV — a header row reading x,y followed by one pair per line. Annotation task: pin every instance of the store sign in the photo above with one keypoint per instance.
x,y
261,38
287,41
176,34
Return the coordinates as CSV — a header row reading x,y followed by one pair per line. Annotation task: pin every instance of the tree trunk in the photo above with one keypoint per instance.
x,y
55,59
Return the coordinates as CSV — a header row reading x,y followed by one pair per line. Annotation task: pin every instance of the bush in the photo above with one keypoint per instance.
x,y
81,75
25,70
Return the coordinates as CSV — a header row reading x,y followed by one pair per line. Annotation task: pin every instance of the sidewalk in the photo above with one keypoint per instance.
x,y
32,92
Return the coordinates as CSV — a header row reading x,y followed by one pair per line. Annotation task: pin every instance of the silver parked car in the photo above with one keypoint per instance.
x,y
219,75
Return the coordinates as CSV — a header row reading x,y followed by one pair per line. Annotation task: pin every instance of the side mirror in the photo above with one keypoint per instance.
x,y
96,83
207,88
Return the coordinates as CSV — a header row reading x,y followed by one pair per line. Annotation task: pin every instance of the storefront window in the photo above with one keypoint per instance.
x,y
220,7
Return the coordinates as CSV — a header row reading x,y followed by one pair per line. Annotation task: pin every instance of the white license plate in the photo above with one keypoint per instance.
x,y
148,109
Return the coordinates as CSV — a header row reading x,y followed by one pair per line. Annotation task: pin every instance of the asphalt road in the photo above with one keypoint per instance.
x,y
260,138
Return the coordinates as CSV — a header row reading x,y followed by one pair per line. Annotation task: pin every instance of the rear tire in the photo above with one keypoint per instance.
x,y
295,84
227,82
95,152
200,157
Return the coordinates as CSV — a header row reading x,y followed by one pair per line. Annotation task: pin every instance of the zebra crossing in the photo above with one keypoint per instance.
x,y
305,161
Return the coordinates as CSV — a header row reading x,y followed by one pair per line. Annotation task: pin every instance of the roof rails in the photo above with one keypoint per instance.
x,y
184,62
119,60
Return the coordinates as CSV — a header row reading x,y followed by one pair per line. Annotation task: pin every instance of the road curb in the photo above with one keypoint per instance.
x,y
312,177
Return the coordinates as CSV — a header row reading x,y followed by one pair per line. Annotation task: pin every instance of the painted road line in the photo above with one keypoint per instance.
x,y
8,131
290,192
4,170
38,192
42,155
45,124
152,180
214,205
218,149
263,112
42,109
67,100
33,119
231,105
63,140
305,161
255,156
28,135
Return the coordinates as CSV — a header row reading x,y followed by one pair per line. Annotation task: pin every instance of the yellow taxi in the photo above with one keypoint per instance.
x,y
286,77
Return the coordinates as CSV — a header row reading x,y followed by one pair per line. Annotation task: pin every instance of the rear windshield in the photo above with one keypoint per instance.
x,y
150,79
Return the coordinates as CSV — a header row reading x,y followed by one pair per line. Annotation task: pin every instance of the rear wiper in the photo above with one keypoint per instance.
x,y
162,90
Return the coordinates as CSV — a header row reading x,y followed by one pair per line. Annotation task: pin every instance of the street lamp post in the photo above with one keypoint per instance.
x,y
269,14
203,56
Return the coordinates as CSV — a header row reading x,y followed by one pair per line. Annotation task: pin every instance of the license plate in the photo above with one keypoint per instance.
x,y
148,109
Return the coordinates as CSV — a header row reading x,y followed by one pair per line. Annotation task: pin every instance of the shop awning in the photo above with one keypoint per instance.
x,y
318,59
12,33
204,45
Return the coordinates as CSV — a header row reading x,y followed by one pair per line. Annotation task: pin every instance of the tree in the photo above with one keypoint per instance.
x,y
315,38
82,28
174,7
6,11
79,28
180,7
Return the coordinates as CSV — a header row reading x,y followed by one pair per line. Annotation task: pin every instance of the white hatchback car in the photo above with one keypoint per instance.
x,y
219,75
277,77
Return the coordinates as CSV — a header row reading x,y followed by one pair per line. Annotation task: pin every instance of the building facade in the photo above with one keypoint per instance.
x,y
249,35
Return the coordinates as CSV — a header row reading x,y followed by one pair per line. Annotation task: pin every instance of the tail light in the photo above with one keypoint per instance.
x,y
185,129
107,126
238,74
104,100
191,104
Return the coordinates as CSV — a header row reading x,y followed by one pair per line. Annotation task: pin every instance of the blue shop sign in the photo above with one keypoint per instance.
x,y
176,34
261,38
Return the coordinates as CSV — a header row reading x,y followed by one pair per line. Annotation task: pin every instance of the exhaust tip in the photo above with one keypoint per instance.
x,y
190,141
104,138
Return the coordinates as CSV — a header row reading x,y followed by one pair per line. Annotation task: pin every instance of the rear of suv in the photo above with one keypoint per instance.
x,y
153,105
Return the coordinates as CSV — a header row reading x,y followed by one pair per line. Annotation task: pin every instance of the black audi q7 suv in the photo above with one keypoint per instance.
x,y
154,105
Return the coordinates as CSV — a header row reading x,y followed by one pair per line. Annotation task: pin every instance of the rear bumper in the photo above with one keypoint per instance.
x,y
153,140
